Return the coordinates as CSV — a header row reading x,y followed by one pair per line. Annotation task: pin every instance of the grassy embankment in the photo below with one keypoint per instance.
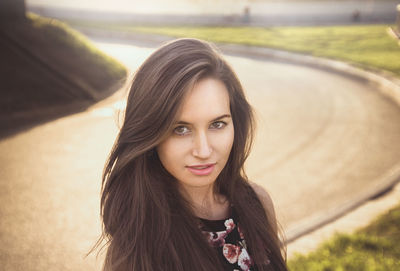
x,y
367,46
50,65
77,46
376,247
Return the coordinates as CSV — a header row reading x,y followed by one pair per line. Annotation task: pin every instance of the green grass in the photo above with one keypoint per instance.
x,y
368,46
374,248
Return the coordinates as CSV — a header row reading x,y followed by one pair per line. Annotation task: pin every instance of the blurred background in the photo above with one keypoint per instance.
x,y
253,12
328,133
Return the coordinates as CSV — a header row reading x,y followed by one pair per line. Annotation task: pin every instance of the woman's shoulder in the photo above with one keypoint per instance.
x,y
266,201
263,195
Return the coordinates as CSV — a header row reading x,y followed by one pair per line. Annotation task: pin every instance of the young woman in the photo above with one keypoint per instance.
x,y
174,193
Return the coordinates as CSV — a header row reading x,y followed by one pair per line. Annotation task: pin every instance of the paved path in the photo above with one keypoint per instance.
x,y
323,138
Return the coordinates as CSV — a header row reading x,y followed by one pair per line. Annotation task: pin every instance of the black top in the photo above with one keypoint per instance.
x,y
226,237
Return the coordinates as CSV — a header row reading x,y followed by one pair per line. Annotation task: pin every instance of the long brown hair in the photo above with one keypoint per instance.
x,y
147,224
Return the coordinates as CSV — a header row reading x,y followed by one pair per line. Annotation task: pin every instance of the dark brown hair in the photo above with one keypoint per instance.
x,y
147,223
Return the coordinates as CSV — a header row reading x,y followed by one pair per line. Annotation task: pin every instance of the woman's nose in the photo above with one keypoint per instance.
x,y
202,148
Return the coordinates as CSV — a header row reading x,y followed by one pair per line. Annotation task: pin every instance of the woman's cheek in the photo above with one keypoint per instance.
x,y
181,145
224,140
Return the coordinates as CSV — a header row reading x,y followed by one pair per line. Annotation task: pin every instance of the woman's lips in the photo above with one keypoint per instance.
x,y
201,170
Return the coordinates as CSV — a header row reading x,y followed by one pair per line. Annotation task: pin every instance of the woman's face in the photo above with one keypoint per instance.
x,y
199,146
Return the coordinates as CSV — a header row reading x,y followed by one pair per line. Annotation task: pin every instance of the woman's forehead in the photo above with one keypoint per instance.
x,y
208,99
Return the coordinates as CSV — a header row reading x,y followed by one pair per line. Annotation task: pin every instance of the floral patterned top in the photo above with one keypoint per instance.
x,y
227,238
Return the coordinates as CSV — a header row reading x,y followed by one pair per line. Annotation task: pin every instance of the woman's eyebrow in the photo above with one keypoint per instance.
x,y
217,118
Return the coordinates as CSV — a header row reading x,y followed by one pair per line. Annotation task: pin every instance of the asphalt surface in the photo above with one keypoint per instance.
x,y
322,139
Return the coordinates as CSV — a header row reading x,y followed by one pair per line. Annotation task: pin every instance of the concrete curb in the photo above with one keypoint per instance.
x,y
386,84
349,223
383,185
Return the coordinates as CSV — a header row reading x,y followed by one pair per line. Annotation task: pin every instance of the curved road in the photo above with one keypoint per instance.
x,y
322,139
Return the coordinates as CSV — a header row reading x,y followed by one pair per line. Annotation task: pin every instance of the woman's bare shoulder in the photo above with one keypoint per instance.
x,y
266,201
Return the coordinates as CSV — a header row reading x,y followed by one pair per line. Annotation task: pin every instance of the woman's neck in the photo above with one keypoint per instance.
x,y
205,203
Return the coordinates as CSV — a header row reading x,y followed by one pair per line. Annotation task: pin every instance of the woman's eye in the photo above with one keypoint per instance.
x,y
218,125
181,130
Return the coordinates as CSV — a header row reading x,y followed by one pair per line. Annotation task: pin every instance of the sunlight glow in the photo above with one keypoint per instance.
x,y
150,6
